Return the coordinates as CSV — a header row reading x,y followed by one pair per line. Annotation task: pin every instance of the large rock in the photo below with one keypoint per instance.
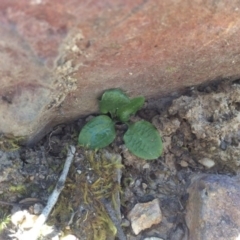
x,y
213,209
58,56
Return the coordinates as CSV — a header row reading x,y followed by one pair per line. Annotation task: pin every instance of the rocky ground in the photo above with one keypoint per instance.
x,y
172,197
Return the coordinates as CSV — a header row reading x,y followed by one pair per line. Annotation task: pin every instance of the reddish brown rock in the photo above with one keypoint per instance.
x,y
58,56
213,209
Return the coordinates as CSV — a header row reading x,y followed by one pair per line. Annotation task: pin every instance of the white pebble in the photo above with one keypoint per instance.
x,y
207,162
69,237
144,215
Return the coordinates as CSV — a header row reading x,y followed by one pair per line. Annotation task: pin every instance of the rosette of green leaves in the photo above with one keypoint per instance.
x,y
141,138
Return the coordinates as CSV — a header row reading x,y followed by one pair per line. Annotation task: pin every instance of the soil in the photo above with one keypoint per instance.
x,y
200,133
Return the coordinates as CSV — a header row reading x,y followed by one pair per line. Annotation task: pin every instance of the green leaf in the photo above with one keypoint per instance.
x,y
131,108
99,132
143,140
112,100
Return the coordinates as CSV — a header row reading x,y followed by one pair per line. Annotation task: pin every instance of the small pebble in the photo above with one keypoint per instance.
x,y
144,215
50,230
144,186
223,145
29,221
146,166
55,237
69,237
183,163
138,183
17,217
125,223
207,162
41,176
24,219
75,48
37,208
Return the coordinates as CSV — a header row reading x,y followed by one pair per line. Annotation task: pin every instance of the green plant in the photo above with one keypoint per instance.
x,y
5,219
20,189
141,138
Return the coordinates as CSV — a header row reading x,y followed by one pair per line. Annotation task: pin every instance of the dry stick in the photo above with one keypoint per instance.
x,y
112,214
34,232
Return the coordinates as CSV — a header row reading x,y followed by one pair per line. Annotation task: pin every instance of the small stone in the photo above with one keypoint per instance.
x,y
125,223
223,145
24,219
75,48
47,230
41,176
146,166
144,186
138,183
17,217
37,208
55,237
183,163
29,221
32,178
212,149
69,237
207,162
144,215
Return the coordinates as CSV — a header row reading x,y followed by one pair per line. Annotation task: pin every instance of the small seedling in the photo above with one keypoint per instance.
x,y
141,138
5,219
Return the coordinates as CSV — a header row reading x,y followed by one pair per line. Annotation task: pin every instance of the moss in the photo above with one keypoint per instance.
x,y
10,143
97,181
5,219
102,226
19,189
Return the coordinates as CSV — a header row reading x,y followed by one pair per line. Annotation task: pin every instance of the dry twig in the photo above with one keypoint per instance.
x,y
34,232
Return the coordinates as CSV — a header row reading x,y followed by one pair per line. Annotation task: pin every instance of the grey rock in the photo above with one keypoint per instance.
x,y
213,208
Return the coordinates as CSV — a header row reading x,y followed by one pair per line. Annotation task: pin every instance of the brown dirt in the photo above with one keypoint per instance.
x,y
202,124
